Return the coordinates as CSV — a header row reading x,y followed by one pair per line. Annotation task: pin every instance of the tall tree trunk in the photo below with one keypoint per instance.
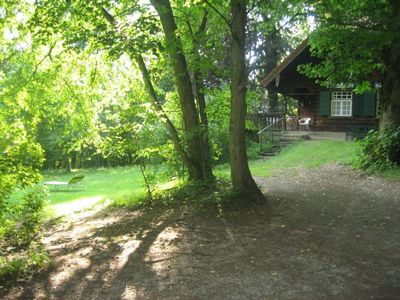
x,y
242,180
390,113
390,107
190,116
390,104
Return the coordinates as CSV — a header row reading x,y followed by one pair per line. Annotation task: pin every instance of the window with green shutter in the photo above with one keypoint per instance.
x,y
325,104
358,105
369,107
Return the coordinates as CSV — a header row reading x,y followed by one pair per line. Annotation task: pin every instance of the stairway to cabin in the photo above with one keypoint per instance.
x,y
282,140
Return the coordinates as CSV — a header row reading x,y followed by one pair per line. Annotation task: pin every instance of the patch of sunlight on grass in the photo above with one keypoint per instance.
x,y
76,205
129,200
100,184
168,184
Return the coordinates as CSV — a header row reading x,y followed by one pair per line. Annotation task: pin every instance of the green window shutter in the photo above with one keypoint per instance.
x,y
358,100
324,104
369,105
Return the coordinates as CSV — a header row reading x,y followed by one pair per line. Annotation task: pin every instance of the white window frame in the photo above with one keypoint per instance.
x,y
341,104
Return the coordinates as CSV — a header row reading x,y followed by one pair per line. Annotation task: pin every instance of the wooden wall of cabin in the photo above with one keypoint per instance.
x,y
309,107
363,114
341,124
308,95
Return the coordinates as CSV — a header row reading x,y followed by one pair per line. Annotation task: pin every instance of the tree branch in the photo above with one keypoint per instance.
x,y
219,13
39,63
293,18
203,23
109,17
70,88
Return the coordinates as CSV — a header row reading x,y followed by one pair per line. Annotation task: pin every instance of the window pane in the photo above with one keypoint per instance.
x,y
335,108
341,104
346,108
341,95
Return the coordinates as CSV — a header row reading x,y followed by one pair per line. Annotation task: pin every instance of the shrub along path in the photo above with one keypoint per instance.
x,y
325,233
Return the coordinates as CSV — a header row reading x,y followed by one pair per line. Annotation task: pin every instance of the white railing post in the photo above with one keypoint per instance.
x,y
269,126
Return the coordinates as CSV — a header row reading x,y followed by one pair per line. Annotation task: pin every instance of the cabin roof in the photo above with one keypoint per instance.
x,y
285,63
287,80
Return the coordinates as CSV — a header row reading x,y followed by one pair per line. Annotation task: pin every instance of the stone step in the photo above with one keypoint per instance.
x,y
295,137
277,148
269,154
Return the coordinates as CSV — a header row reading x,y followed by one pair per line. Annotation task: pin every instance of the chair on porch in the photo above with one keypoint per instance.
x,y
304,123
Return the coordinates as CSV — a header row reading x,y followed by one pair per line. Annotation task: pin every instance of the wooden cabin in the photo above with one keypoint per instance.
x,y
332,110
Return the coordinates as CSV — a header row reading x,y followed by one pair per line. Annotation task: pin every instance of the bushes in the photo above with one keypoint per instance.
x,y
32,259
20,226
218,110
379,150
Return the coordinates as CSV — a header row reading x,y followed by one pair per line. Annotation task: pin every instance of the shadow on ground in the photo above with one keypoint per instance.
x,y
325,233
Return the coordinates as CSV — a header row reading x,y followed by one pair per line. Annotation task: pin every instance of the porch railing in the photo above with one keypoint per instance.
x,y
275,125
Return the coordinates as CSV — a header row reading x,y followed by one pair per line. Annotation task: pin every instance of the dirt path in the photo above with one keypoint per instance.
x,y
326,233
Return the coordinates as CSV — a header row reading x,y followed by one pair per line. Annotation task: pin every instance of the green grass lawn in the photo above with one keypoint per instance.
x,y
111,182
306,154
124,185
100,185
117,186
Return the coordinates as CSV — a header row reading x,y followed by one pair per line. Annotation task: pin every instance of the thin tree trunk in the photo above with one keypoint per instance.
x,y
73,160
67,164
80,161
198,89
273,40
185,91
146,181
242,180
201,101
163,116
190,160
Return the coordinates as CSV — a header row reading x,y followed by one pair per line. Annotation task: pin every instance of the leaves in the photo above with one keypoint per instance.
x,y
379,151
351,40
